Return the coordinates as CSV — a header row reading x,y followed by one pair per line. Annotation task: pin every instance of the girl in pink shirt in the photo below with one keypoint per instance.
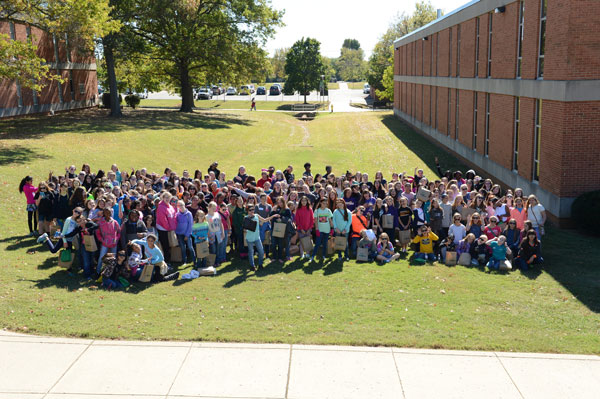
x,y
26,186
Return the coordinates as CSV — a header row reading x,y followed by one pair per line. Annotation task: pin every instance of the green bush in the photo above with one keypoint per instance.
x,y
585,212
132,100
106,100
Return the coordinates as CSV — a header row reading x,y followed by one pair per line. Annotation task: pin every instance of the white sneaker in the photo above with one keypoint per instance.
x,y
41,239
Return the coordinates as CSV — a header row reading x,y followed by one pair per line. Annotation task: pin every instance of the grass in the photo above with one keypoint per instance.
x,y
553,310
333,86
356,85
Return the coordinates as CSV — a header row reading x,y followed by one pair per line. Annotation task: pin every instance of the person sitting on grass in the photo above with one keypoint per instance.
x,y
155,257
466,245
385,250
499,252
530,252
425,240
480,252
369,244
109,271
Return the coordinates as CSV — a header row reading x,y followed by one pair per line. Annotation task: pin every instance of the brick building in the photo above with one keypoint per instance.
x,y
513,88
78,69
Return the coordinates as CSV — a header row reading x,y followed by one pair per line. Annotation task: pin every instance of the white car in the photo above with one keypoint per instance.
x,y
366,89
231,91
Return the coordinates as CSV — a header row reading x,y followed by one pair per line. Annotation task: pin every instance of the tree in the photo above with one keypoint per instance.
x,y
351,65
195,40
82,21
304,66
382,56
352,44
278,64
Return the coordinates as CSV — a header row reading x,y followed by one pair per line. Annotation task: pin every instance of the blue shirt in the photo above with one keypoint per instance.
x,y
252,236
154,254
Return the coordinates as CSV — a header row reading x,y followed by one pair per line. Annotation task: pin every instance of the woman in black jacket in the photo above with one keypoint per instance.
x,y
530,252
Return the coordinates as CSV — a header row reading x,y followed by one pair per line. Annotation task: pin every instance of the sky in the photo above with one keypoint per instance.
x,y
332,21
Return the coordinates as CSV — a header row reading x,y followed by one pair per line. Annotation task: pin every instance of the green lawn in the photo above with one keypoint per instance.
x,y
553,310
356,85
219,104
333,86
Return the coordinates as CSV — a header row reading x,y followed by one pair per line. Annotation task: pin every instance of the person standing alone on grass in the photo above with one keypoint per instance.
x,y
253,106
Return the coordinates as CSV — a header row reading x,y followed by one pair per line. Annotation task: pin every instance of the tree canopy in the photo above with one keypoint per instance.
x,y
352,44
382,57
304,66
82,21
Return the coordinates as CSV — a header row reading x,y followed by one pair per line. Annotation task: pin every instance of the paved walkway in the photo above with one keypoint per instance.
x,y
60,368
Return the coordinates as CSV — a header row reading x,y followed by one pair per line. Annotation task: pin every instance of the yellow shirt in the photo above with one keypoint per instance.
x,y
426,243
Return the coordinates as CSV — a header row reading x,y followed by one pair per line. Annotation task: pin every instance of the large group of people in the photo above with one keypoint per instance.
x,y
127,226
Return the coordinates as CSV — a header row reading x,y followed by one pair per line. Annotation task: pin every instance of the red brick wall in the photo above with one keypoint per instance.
x,y
480,122
527,124
505,28
530,39
467,49
443,53
465,117
483,45
501,126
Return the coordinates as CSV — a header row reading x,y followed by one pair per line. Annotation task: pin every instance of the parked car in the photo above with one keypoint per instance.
x,y
275,90
366,89
231,91
217,90
204,94
245,91
261,90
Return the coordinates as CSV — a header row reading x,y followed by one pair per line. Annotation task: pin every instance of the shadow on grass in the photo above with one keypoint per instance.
x,y
19,155
422,147
96,120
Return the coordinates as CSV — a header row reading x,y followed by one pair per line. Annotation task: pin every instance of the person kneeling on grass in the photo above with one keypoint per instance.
x,y
385,250
499,252
425,239
253,236
530,251
155,257
111,270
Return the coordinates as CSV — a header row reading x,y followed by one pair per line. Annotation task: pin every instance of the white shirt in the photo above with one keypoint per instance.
x,y
534,213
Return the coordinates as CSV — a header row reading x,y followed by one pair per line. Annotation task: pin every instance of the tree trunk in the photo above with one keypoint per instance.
x,y
115,107
187,94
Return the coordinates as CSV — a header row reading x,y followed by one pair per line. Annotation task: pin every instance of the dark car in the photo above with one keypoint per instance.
x,y
275,90
261,90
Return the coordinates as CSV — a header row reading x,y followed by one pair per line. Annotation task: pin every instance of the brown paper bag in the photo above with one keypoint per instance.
x,y
404,237
465,212
202,250
146,275
307,244
279,230
176,254
423,194
388,221
340,243
75,243
505,266
173,239
90,243
464,259
330,246
362,255
67,264
450,258
210,259
245,242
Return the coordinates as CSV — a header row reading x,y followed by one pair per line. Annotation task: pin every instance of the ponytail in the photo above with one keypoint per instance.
x,y
23,182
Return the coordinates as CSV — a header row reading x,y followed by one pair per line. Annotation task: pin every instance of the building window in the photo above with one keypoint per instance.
x,y
422,57
475,121
536,140
60,93
422,103
456,117
430,105
436,107
67,49
19,94
458,51
437,52
489,60
516,135
520,39
71,85
486,147
11,27
81,88
477,47
542,48
449,110
450,52
431,58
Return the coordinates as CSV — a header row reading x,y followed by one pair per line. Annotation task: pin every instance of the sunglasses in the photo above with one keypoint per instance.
x,y
475,218
511,223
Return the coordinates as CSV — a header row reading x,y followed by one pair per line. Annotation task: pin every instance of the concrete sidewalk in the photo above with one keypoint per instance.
x,y
61,368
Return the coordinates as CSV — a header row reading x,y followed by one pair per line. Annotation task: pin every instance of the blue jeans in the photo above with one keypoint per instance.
x,y
186,246
259,249
354,245
430,257
111,284
262,230
222,250
86,261
493,264
321,241
522,263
